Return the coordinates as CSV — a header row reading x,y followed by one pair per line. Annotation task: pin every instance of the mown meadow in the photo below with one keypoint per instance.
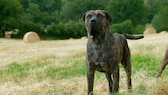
x,y
57,67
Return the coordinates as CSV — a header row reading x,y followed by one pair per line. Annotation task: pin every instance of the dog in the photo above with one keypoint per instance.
x,y
164,64
106,50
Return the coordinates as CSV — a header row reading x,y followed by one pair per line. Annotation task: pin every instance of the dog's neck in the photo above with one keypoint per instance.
x,y
99,39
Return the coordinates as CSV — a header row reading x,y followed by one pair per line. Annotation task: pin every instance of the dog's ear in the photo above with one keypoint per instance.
x,y
83,17
108,16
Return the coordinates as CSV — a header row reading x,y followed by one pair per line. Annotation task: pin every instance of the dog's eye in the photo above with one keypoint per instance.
x,y
99,15
88,16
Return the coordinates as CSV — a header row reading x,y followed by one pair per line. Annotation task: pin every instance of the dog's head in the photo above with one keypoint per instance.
x,y
97,22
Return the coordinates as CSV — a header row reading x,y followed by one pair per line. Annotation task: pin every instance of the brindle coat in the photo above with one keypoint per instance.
x,y
106,50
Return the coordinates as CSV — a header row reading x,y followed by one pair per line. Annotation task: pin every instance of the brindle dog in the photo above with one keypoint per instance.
x,y
164,63
106,50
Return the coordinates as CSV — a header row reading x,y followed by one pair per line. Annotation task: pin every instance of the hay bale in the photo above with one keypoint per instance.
x,y
71,38
163,32
84,37
30,37
8,34
150,30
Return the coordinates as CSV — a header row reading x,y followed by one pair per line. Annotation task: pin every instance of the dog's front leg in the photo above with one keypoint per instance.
x,y
90,80
111,87
116,76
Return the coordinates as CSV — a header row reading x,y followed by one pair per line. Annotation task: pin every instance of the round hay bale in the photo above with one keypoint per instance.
x,y
150,30
84,37
71,38
30,37
163,32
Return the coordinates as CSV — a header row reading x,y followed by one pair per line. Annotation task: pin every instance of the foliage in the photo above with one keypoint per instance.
x,y
126,27
10,11
70,29
73,10
154,7
160,21
122,10
139,29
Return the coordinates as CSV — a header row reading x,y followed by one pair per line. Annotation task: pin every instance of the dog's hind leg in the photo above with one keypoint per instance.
x,y
128,72
127,66
164,63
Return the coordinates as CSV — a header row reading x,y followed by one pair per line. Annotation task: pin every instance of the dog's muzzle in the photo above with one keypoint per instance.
x,y
93,28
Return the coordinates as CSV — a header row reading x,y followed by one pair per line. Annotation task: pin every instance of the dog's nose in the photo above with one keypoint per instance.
x,y
93,21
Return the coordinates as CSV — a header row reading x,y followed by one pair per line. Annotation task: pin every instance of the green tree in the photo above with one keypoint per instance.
x,y
34,9
10,12
160,20
38,14
50,5
121,10
74,9
125,27
70,29
31,20
154,7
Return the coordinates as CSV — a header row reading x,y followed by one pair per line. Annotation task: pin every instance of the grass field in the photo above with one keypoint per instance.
x,y
57,67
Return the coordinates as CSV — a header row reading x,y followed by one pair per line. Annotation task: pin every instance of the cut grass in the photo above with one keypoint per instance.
x,y
76,69
146,63
59,68
17,72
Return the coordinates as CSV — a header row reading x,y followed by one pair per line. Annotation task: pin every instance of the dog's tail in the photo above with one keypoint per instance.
x,y
131,37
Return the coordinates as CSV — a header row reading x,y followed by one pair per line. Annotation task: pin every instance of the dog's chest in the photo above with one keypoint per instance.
x,y
101,57
106,52
100,53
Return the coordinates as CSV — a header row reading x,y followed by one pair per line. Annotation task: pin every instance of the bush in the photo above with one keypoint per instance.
x,y
160,20
29,26
122,10
67,30
126,27
123,28
139,29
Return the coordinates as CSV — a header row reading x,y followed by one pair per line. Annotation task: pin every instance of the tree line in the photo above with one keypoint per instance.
x,y
61,19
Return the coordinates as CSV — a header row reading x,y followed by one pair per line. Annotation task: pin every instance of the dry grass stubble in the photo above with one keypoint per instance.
x,y
16,51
